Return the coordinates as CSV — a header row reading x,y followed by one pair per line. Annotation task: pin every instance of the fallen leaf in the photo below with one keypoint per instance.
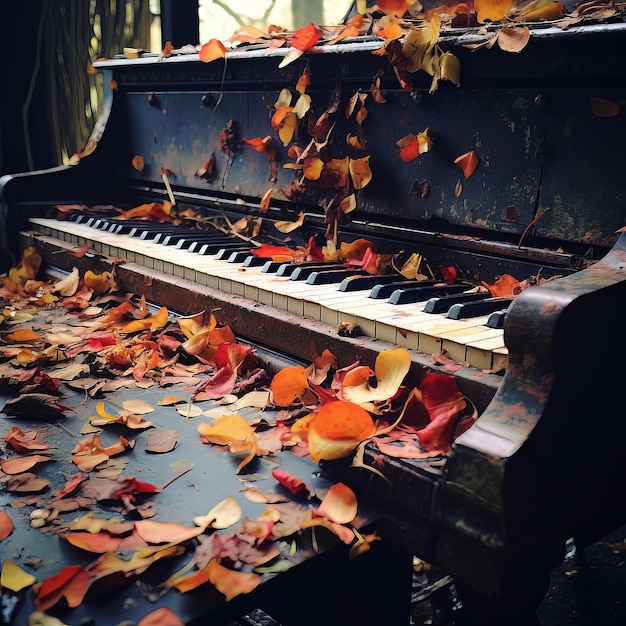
x,y
336,430
70,583
339,504
6,525
14,577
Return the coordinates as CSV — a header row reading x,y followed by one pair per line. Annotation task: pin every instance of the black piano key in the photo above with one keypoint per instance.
x,y
442,304
362,282
302,272
476,309
226,251
214,247
254,261
288,268
496,319
420,294
382,291
330,277
239,256
271,267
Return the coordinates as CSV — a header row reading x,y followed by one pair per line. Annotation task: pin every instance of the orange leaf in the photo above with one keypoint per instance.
x,y
513,39
24,335
491,10
166,532
212,50
468,163
306,37
339,504
506,285
23,464
393,7
337,429
6,525
163,616
392,31
289,385
71,582
225,580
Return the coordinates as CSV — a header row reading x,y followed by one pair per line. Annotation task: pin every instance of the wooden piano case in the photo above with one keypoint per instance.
x,y
544,461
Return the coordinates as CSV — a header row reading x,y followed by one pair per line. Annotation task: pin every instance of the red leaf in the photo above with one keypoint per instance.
x,y
71,582
296,486
306,37
444,403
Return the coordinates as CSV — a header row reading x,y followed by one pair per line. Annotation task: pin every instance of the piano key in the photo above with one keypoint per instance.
x,y
331,277
254,261
383,291
496,319
487,354
363,282
431,337
442,304
302,272
422,293
271,267
472,309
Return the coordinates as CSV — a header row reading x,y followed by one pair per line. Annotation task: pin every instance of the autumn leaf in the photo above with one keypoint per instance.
x,y
70,583
339,504
228,582
212,50
444,403
23,463
513,39
289,385
336,430
468,163
505,285
306,37
295,485
492,10
222,515
6,525
163,616
391,367
24,335
396,8
14,577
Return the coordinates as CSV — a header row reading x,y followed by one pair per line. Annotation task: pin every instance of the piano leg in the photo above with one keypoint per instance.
x,y
524,587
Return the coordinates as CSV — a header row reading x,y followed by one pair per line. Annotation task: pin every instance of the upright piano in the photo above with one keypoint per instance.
x,y
545,128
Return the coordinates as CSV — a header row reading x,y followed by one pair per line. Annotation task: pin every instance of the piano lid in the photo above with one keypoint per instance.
x,y
543,126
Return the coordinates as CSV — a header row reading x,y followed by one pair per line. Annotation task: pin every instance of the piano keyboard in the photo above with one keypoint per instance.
x,y
223,263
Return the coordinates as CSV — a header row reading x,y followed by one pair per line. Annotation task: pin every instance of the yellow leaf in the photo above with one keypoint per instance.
x,y
222,515
67,286
391,367
15,578
227,429
360,172
24,335
491,10
288,227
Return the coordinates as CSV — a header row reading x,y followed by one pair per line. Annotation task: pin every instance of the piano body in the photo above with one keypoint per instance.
x,y
544,461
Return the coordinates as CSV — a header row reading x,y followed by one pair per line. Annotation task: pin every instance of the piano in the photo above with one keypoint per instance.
x,y
544,461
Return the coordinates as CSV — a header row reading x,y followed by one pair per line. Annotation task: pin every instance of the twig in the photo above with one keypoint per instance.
x,y
532,223
169,188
